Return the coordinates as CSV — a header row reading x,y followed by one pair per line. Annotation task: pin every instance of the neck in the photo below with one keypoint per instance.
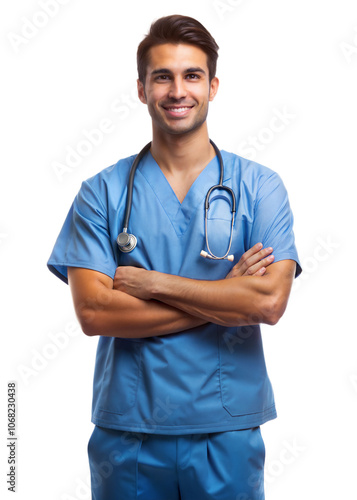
x,y
182,153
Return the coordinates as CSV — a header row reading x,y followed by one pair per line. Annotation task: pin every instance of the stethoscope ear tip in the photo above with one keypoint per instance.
x,y
206,255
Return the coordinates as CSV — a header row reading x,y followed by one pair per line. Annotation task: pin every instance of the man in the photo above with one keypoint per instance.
x,y
180,384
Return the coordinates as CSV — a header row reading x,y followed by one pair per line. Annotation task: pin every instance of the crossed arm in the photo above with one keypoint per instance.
x,y
140,303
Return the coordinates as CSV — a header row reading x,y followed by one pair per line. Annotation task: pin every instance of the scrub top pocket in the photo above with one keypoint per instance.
x,y
244,391
121,377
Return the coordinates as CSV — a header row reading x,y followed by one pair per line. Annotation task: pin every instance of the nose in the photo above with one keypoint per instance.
x,y
177,88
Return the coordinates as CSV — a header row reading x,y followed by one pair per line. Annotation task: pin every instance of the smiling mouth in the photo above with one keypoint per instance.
x,y
177,109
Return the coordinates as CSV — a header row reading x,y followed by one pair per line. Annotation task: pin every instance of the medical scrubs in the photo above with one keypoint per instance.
x,y
210,379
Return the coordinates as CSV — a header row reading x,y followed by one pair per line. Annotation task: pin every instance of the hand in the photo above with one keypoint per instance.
x,y
134,281
253,262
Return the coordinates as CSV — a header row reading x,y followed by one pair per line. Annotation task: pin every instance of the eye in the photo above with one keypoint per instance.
x,y
162,78
192,76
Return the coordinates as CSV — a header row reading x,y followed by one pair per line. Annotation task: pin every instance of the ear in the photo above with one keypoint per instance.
x,y
141,91
213,88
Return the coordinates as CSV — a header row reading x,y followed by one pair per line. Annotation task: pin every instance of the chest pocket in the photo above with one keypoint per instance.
x,y
220,206
219,221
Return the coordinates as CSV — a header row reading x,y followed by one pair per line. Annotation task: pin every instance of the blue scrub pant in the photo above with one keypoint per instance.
x,y
216,466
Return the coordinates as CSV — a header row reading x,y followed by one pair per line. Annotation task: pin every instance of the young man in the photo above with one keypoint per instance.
x,y
180,384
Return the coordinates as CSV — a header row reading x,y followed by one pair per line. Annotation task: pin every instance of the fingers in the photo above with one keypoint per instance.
x,y
254,256
261,272
248,254
252,251
253,262
259,268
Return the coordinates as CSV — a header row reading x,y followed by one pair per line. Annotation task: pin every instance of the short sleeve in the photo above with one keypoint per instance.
x,y
273,221
84,240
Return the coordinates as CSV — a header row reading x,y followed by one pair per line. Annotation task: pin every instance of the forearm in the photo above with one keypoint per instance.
x,y
129,317
256,290
102,310
238,301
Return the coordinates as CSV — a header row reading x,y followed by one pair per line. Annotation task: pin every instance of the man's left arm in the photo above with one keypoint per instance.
x,y
239,300
236,301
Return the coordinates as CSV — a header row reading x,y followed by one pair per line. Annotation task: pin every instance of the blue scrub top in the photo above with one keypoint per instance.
x,y
210,378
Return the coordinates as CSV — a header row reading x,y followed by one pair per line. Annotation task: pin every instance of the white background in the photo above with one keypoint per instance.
x,y
65,77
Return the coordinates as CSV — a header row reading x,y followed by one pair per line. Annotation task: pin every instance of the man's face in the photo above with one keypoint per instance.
x,y
177,88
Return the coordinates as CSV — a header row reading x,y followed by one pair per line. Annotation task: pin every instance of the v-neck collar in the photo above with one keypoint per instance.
x,y
180,214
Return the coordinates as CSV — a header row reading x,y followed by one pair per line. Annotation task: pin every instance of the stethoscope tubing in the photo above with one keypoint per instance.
x,y
127,242
129,195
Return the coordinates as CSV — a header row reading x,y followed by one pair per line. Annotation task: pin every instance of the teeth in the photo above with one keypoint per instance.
x,y
178,110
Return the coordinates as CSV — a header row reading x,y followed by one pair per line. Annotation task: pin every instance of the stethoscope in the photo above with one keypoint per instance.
x,y
127,242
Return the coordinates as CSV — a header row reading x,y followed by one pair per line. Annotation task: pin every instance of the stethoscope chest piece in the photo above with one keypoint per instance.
x,y
126,242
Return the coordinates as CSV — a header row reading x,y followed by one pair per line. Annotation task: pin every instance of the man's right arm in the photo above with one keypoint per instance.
x,y
103,310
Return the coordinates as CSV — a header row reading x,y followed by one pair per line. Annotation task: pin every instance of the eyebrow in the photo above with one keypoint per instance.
x,y
168,71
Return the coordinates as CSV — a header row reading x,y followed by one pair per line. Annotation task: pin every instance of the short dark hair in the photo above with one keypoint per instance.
x,y
177,29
